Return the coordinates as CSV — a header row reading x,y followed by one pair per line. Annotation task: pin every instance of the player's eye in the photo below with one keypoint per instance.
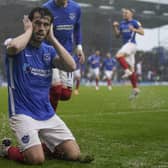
x,y
46,24
37,23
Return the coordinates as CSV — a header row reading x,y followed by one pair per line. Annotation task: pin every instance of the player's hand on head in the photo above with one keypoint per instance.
x,y
50,36
115,24
27,23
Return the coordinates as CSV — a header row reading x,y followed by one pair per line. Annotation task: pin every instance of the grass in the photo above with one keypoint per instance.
x,y
120,133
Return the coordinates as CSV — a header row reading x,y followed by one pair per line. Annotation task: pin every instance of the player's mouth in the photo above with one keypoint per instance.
x,y
40,35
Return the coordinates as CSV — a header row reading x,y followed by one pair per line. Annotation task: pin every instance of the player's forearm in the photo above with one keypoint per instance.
x,y
66,61
117,32
139,31
17,44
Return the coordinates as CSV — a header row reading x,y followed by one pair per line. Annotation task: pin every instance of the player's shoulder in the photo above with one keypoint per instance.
x,y
122,22
47,47
74,4
135,21
48,4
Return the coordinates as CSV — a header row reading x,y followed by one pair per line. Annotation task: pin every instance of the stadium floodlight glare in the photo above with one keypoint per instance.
x,y
31,0
165,14
85,5
149,12
155,1
105,7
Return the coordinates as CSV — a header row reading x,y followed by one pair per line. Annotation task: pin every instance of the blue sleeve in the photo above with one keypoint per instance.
x,y
115,62
89,59
53,53
77,28
137,24
120,27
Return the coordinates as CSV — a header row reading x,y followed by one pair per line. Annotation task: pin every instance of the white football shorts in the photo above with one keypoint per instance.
x,y
77,73
31,132
65,78
108,74
130,50
94,72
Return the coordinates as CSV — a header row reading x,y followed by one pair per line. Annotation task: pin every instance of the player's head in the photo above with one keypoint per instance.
x,y
41,19
108,55
61,2
128,13
97,52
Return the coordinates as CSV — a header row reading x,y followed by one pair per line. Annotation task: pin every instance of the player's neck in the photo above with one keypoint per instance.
x,y
35,44
59,4
129,19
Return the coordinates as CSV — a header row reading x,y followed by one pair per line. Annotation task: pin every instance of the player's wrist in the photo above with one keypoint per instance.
x,y
79,47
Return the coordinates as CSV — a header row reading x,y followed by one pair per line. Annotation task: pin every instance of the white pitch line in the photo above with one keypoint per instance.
x,y
117,113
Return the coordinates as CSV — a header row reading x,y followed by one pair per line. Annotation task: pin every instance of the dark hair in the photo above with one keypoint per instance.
x,y
42,11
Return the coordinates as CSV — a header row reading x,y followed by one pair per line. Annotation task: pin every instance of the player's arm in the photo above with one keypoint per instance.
x,y
78,38
16,45
64,61
137,28
116,29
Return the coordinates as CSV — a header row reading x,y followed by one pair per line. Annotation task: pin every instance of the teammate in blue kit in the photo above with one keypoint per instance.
x,y
128,28
67,29
109,66
94,63
77,74
29,63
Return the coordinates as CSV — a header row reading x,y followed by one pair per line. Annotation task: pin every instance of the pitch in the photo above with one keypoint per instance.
x,y
120,133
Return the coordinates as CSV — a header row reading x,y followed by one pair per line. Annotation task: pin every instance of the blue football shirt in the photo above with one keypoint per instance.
x,y
67,23
126,33
109,64
94,61
29,78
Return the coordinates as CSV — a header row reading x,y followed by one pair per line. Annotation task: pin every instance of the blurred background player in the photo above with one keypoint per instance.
x,y
77,74
67,29
139,71
128,28
94,63
109,66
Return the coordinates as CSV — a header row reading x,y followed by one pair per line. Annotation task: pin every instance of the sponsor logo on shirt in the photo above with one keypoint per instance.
x,y
72,16
35,71
64,27
47,58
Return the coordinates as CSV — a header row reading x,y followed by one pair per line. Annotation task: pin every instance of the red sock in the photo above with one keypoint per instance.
x,y
133,79
55,95
66,94
108,82
97,82
15,154
77,84
123,62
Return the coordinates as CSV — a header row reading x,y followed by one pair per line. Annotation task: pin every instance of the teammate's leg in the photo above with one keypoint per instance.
x,y
55,95
121,59
109,78
56,88
97,77
133,77
66,93
67,85
77,77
